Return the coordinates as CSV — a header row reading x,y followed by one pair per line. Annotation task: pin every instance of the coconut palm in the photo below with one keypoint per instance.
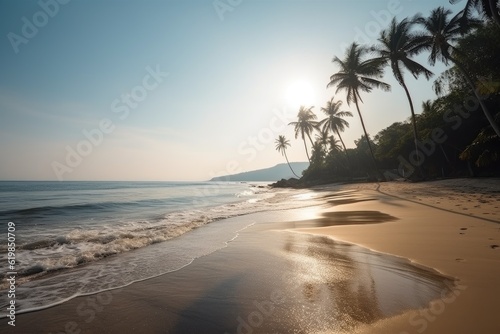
x,y
322,137
489,8
357,75
428,106
440,31
397,44
334,145
305,126
335,120
281,145
318,154
483,149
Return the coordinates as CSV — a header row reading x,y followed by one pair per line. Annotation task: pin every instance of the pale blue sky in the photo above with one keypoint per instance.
x,y
226,79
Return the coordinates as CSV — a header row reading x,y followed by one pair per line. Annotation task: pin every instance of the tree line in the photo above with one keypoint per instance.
x,y
455,134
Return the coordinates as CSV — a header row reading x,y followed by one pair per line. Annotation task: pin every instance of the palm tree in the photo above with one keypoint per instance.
x,y
318,154
488,7
357,75
322,137
397,45
440,32
483,149
334,120
305,126
281,145
428,106
334,145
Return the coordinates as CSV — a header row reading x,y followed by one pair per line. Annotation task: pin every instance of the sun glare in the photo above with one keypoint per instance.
x,y
300,93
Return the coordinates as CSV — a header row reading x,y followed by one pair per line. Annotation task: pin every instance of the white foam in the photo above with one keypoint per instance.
x,y
94,247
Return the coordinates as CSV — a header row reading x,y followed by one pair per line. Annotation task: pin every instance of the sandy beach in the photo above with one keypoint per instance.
x,y
451,226
250,167
368,258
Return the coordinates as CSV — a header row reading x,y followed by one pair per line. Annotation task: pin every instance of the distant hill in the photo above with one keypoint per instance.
x,y
276,173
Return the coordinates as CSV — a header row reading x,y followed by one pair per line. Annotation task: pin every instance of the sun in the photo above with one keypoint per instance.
x,y
300,93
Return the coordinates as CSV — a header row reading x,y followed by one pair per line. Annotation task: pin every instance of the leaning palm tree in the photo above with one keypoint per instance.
x,y
489,8
305,126
281,145
440,32
335,120
397,44
357,75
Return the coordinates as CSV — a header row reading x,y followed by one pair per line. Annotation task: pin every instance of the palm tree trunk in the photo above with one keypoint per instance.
x,y
307,153
289,165
309,136
414,122
445,155
490,118
494,10
366,135
345,148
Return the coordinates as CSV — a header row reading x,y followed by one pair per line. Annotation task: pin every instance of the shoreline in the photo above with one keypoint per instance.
x,y
294,280
426,245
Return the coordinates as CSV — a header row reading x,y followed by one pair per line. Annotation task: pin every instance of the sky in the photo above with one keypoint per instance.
x,y
179,90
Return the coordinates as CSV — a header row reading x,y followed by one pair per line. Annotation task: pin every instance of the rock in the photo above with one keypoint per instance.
x,y
290,183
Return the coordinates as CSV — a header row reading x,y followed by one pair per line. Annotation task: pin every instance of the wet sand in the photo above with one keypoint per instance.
x,y
476,197
311,270
434,230
268,280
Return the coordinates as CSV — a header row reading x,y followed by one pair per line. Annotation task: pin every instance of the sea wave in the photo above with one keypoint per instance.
x,y
54,209
86,260
47,253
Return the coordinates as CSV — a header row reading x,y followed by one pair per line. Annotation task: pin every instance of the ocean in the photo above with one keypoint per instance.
x,y
78,238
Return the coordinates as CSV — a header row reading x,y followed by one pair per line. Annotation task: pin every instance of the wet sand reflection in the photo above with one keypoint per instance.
x,y
269,280
346,197
343,285
337,218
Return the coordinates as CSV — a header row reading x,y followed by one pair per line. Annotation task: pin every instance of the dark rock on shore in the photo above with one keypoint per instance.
x,y
283,183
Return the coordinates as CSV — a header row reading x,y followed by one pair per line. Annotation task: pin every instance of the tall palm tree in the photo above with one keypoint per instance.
x,y
335,120
440,32
397,44
357,75
489,8
305,126
281,145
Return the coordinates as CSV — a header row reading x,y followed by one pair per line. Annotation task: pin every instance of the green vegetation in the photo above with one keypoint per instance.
x,y
456,134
